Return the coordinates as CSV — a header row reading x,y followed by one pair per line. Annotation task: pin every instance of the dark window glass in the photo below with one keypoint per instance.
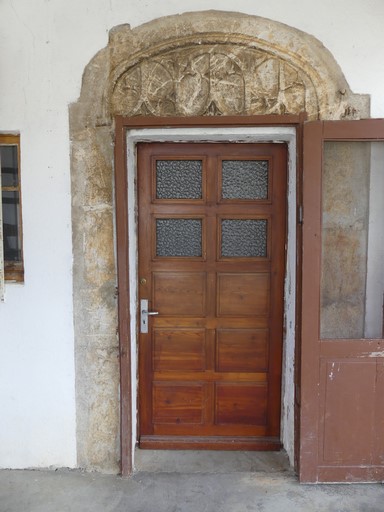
x,y
11,222
9,166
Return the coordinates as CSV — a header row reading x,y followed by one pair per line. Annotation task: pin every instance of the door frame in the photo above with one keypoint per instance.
x,y
130,131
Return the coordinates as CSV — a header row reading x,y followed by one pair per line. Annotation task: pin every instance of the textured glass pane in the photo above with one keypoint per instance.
x,y
9,166
243,238
245,179
179,179
178,237
11,223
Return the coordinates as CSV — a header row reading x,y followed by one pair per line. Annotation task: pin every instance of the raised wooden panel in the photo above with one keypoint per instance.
x,y
243,294
179,349
241,404
179,293
243,350
348,411
177,404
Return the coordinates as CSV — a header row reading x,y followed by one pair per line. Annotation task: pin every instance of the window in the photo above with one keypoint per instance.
x,y
11,207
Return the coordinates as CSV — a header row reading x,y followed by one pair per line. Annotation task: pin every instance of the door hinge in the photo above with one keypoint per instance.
x,y
300,214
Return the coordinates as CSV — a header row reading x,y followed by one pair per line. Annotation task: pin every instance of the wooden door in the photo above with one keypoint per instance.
x,y
212,230
342,370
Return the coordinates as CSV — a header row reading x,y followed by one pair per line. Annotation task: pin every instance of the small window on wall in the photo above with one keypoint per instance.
x,y
11,207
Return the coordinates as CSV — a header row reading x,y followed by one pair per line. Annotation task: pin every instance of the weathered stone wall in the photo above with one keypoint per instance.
x,y
210,63
94,277
344,239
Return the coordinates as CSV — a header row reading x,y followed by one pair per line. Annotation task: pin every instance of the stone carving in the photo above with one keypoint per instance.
x,y
212,80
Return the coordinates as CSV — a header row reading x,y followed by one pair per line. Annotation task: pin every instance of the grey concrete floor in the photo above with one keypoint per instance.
x,y
185,482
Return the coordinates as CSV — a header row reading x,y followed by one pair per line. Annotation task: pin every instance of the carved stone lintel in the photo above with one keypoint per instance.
x,y
212,80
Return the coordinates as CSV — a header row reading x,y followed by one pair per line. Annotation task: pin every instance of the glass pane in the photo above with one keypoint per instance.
x,y
9,166
11,223
178,237
352,279
243,238
179,179
245,179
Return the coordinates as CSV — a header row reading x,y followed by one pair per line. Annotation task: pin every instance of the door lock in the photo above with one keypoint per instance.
x,y
144,314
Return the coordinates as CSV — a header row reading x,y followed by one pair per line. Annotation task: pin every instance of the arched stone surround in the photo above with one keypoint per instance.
x,y
210,63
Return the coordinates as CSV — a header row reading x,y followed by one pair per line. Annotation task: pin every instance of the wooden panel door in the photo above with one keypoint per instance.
x,y
212,228
342,383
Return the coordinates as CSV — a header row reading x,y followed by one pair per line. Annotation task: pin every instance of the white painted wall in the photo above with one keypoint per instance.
x,y
44,47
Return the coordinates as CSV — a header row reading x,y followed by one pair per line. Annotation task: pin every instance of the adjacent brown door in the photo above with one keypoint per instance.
x,y
212,230
342,368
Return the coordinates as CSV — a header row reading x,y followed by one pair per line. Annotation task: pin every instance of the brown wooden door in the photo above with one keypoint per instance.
x,y
212,229
342,370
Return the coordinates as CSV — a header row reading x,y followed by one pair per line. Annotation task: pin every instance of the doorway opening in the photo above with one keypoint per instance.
x,y
279,135
263,73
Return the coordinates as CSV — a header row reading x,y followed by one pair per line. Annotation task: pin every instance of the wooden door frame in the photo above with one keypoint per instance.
x,y
122,125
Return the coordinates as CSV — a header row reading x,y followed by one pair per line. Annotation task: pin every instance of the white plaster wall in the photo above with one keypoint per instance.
x,y
44,47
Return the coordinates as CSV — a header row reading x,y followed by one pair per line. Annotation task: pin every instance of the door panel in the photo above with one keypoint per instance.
x,y
245,294
342,413
344,402
177,403
211,263
180,293
242,350
179,349
241,403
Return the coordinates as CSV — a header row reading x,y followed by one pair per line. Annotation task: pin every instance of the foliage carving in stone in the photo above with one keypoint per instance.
x,y
212,80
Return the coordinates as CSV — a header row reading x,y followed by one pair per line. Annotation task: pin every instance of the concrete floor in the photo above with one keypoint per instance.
x,y
185,482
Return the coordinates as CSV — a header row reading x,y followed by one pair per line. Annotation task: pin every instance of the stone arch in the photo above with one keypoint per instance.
x,y
202,63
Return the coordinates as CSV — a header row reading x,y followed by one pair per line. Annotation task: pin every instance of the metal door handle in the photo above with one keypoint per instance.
x,y
144,314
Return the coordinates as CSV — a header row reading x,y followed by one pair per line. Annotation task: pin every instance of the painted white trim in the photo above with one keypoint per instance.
x,y
242,135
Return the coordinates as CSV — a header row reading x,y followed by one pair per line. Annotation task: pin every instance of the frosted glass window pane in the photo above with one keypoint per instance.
x,y
243,238
178,179
245,179
178,237
352,269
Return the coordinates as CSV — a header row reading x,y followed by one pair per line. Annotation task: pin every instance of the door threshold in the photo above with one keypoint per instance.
x,y
207,461
209,443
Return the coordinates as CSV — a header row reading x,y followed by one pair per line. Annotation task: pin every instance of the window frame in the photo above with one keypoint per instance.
x,y
14,270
